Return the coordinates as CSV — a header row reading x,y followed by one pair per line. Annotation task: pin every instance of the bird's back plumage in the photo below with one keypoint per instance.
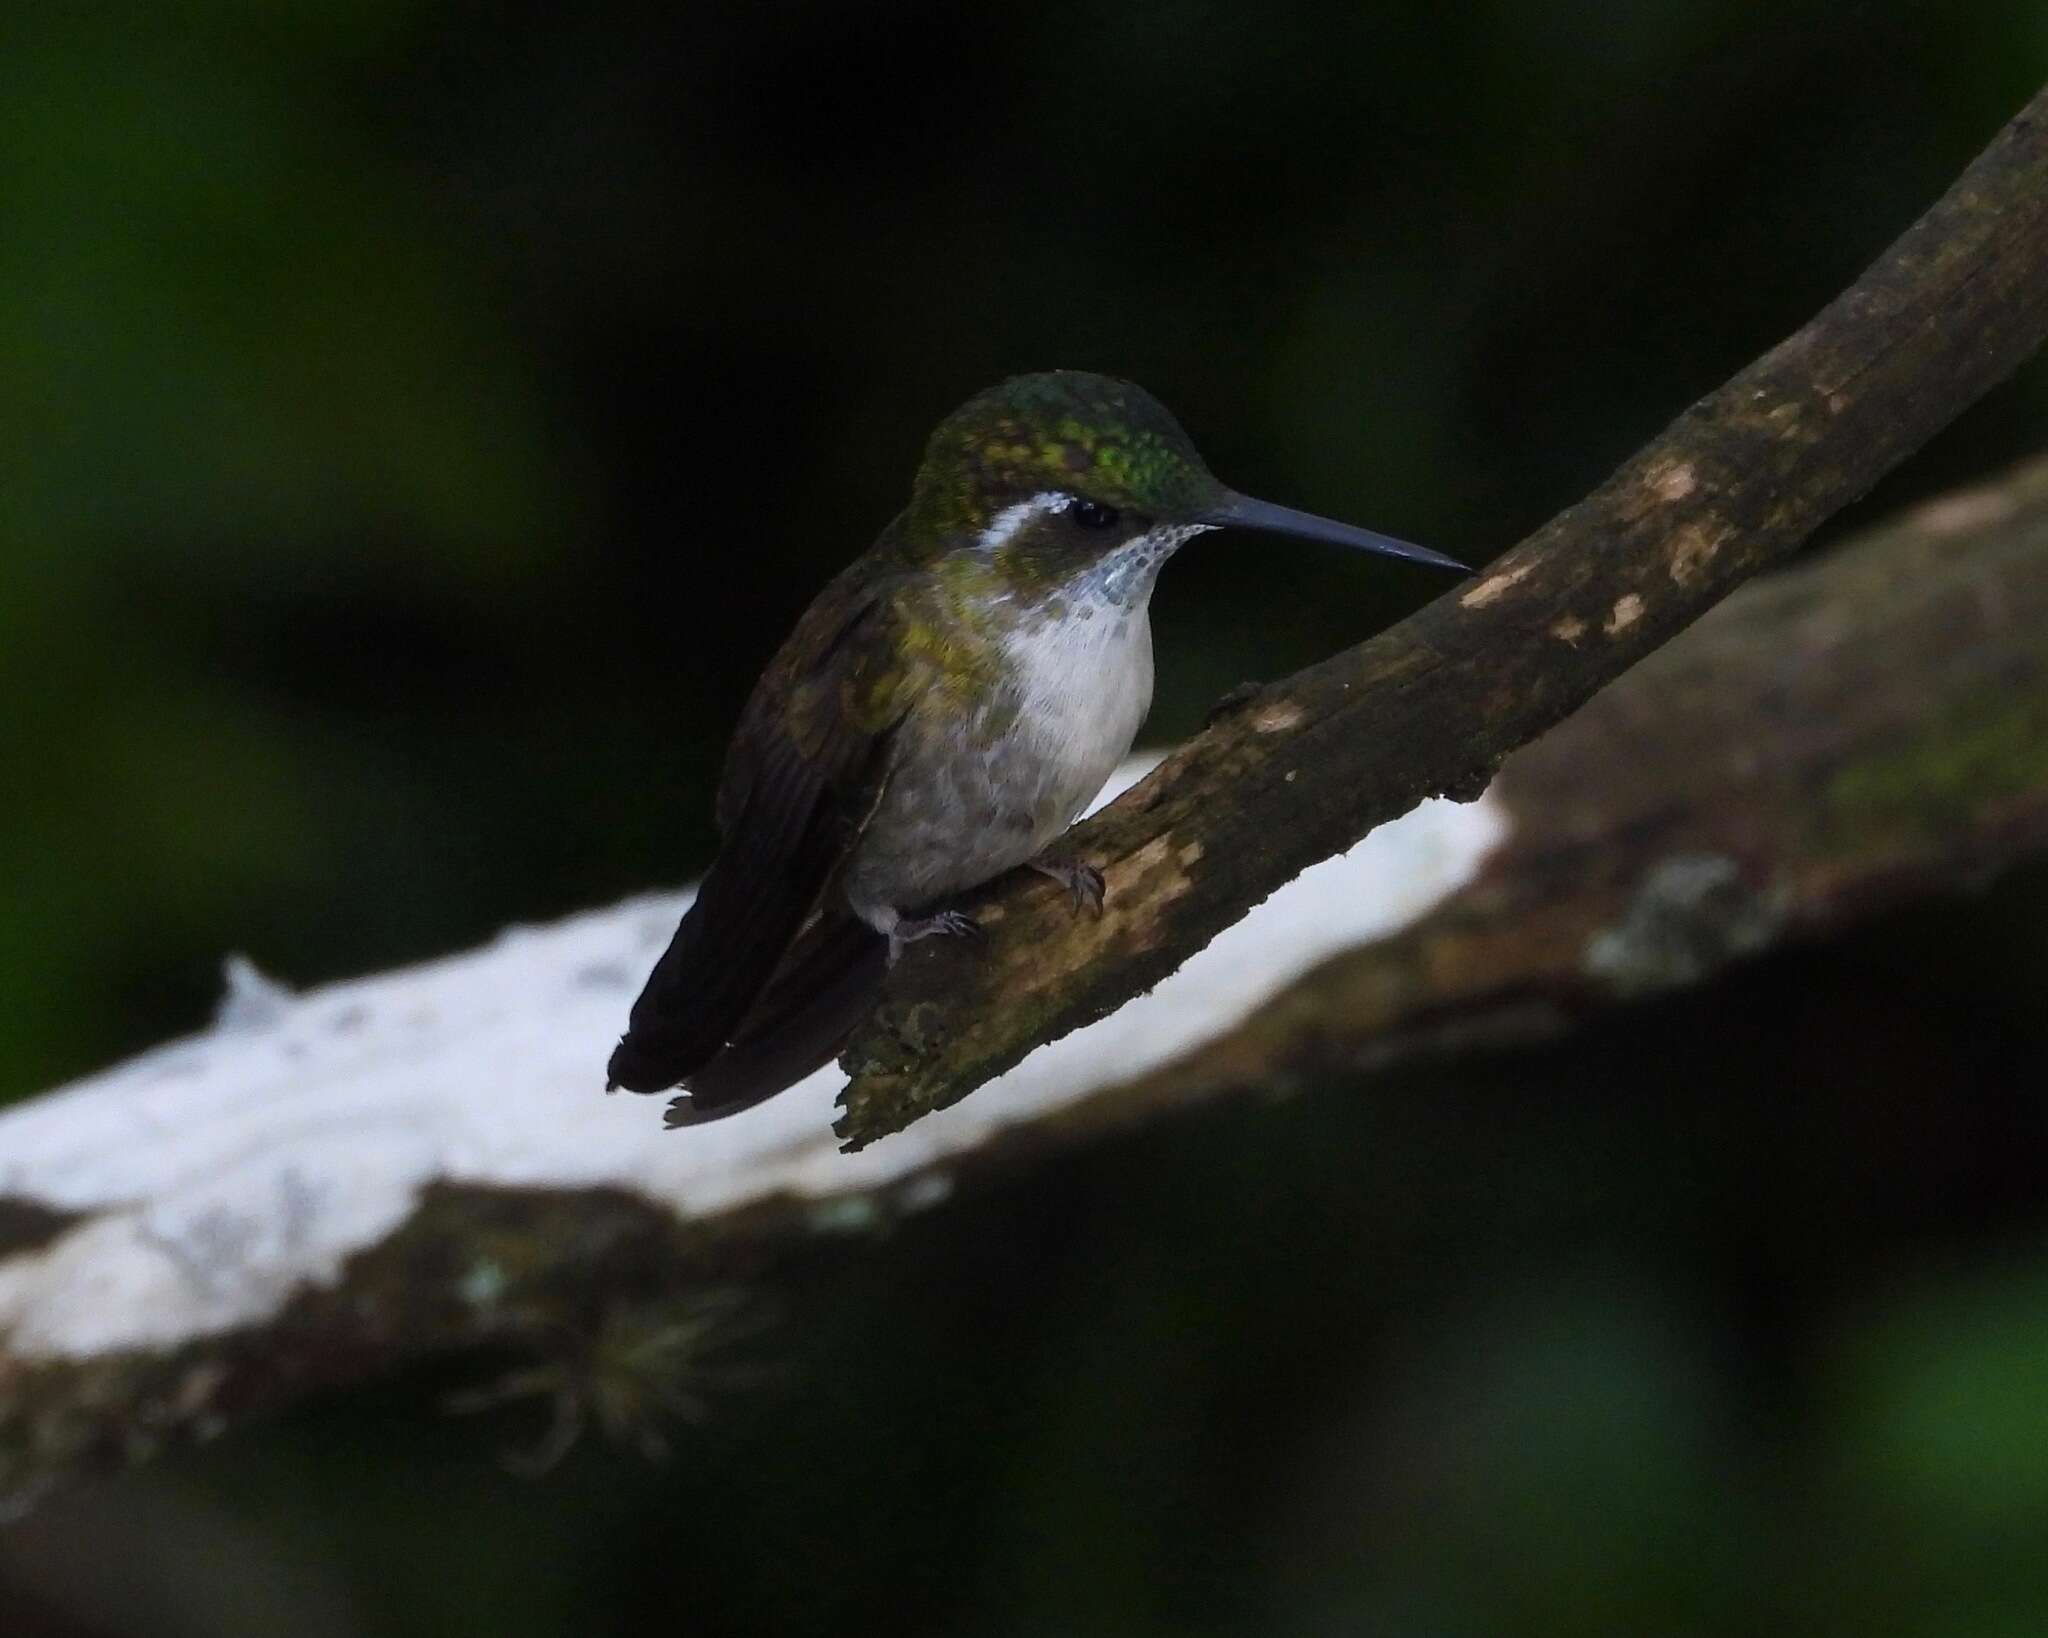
x,y
799,783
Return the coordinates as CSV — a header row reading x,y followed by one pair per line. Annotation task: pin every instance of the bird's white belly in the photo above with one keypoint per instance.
x,y
1084,684
970,800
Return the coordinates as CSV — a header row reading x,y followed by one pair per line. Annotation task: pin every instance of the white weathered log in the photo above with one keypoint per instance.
x,y
214,1178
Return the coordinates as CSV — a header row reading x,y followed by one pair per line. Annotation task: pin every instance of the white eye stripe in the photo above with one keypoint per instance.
x,y
1012,518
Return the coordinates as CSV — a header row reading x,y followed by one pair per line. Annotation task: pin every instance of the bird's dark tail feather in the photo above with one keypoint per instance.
x,y
715,967
824,987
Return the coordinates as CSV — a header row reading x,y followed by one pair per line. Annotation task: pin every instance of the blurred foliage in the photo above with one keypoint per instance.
x,y
423,420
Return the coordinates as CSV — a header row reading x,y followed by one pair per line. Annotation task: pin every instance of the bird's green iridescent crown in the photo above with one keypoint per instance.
x,y
1095,436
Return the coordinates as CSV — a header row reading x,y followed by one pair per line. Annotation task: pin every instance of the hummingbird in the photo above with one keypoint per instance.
x,y
943,711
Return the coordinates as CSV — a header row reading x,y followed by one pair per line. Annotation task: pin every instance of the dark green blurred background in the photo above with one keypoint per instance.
x,y
421,423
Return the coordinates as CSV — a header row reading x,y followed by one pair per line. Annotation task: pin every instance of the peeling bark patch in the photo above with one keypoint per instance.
x,y
1692,548
1672,480
1494,587
1626,613
1147,884
1569,630
1134,867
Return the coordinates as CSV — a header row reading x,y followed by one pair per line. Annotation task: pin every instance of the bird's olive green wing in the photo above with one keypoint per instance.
x,y
801,778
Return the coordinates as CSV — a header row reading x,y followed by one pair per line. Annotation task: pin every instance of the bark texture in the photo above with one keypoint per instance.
x,y
1834,742
1309,765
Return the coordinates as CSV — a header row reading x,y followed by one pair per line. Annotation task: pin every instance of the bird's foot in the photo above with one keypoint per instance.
x,y
940,924
1082,881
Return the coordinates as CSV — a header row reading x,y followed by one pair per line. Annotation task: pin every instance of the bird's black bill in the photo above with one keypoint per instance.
x,y
1242,512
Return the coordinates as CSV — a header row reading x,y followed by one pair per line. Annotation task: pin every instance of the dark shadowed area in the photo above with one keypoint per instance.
x,y
423,422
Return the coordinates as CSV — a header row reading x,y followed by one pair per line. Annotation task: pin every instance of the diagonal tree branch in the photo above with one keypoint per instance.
x,y
1309,765
1832,742
327,1185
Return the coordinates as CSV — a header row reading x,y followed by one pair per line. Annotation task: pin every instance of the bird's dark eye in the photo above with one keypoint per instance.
x,y
1094,515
